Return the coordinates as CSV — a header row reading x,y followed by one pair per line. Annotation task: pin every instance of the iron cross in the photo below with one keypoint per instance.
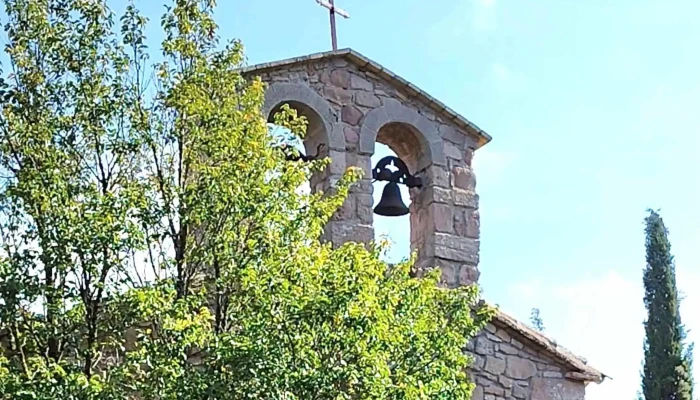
x,y
334,10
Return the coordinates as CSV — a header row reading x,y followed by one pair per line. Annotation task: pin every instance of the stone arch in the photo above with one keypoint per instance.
x,y
388,120
314,107
433,211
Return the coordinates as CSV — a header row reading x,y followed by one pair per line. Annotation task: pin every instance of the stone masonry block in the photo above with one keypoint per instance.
x,y
346,211
479,361
463,178
442,217
484,380
552,374
449,275
391,102
503,335
324,76
557,389
494,338
364,204
350,231
478,393
367,99
364,185
460,223
432,194
505,382
351,115
361,161
437,176
337,95
453,151
520,368
340,78
507,349
484,346
358,82
467,223
456,254
365,214
364,200
495,390
419,223
465,198
338,163
468,274
439,195
339,62
455,248
451,134
352,135
494,365
520,392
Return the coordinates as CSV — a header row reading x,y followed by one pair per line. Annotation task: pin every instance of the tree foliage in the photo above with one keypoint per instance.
x,y
536,320
154,243
667,361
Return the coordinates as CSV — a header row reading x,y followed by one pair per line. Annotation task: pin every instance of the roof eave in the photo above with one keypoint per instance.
x,y
583,372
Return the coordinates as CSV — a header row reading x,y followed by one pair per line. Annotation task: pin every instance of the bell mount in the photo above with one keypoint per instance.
x,y
391,204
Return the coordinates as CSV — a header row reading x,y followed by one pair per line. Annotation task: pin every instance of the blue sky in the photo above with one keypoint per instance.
x,y
593,106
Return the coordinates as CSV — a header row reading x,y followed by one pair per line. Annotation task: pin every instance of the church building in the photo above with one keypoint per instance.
x,y
352,103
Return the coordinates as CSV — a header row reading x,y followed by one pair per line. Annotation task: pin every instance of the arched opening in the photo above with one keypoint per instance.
x,y
405,142
314,143
316,134
394,229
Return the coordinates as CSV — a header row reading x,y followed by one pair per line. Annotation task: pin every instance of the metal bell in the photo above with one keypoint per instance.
x,y
391,204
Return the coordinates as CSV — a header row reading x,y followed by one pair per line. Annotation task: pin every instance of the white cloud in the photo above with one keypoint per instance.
x,y
601,320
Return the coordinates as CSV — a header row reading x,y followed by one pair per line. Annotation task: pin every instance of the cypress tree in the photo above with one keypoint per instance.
x,y
667,374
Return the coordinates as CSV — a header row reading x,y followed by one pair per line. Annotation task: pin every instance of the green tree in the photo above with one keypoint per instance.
x,y
536,320
667,361
153,242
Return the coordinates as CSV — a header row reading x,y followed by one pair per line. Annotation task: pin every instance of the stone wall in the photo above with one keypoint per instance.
x,y
360,108
507,369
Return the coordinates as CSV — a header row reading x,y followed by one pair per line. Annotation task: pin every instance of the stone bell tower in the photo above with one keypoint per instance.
x,y
351,103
